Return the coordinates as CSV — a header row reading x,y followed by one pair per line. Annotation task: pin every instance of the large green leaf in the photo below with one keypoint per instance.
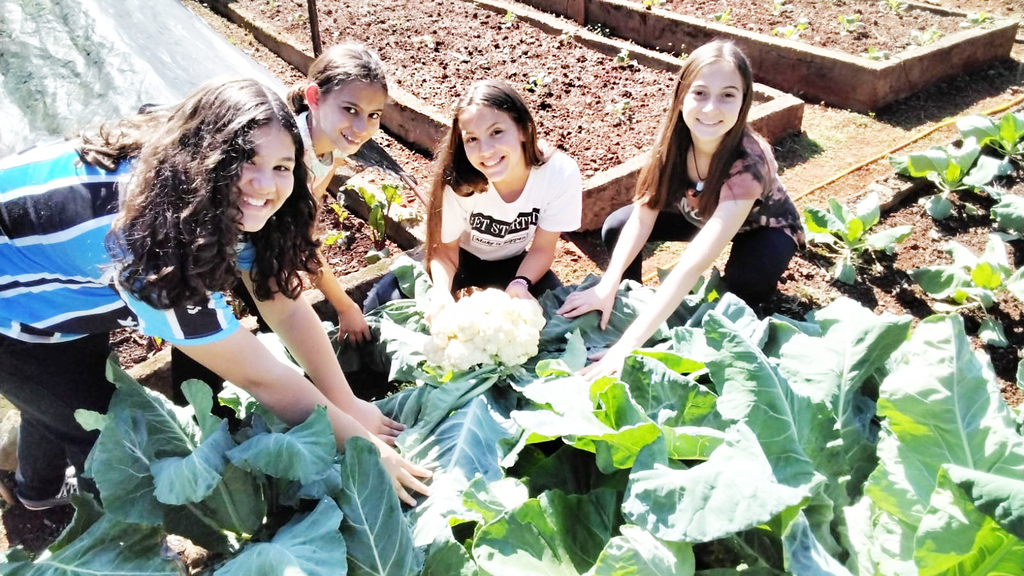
x,y
637,552
309,545
467,445
941,282
941,406
377,536
667,397
1009,213
986,170
303,453
442,399
805,556
192,478
553,534
955,537
119,463
446,557
100,544
734,490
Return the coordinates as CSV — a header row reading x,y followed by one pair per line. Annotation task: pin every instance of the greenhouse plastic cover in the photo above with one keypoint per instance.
x,y
69,64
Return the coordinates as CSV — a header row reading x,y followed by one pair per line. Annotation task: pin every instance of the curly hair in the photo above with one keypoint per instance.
x,y
453,168
177,233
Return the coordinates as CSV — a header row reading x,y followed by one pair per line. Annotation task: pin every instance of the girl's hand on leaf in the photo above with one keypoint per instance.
x,y
352,325
600,297
403,474
606,362
370,416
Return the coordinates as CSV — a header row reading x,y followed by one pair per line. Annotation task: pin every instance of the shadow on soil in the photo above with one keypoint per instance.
x,y
953,96
794,150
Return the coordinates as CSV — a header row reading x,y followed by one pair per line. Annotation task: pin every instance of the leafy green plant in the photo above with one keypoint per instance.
x,y
780,6
622,58
977,19
340,235
723,17
973,282
539,82
1008,213
950,169
267,499
894,6
925,37
653,3
565,37
844,232
793,30
379,207
874,53
510,18
850,24
1005,136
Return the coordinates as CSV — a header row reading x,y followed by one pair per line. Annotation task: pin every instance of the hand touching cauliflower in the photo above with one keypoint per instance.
x,y
486,327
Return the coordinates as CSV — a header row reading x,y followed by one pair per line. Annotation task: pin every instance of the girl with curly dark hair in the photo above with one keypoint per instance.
x,y
143,224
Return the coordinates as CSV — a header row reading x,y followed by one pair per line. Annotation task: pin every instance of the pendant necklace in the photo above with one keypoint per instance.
x,y
699,184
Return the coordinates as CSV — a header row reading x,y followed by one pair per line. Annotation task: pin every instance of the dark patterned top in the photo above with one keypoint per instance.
x,y
773,207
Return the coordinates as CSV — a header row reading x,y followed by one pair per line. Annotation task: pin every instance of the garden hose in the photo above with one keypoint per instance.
x,y
873,159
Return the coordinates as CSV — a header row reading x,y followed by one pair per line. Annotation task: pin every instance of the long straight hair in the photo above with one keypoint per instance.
x,y
177,233
337,66
453,167
666,168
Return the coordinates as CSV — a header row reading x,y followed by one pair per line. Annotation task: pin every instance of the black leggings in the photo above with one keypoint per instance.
x,y
472,271
756,262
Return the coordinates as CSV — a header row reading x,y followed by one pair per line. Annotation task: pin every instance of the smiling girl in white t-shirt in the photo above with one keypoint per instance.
x,y
498,202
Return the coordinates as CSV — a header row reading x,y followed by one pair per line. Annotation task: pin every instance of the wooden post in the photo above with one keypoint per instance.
x,y
314,28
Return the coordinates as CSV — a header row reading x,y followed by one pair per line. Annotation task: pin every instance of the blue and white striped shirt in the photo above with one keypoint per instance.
x,y
56,275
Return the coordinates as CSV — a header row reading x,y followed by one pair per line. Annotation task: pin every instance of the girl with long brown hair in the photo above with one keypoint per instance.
x,y
498,202
710,181
143,224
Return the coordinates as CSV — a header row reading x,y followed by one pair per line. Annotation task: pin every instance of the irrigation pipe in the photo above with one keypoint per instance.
x,y
873,159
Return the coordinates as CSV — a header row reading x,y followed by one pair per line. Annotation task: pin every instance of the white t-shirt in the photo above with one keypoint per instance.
x,y
491,229
320,168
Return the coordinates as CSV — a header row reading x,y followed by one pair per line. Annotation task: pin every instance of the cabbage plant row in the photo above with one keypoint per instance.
x,y
848,443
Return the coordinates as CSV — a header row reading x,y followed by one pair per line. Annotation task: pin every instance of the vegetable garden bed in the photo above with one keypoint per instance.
x,y
839,78
575,107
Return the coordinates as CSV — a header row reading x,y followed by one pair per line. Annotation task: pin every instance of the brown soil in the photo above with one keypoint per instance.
x,y
880,27
348,254
436,48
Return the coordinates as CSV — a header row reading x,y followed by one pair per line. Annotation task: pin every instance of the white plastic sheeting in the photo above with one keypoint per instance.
x,y
69,64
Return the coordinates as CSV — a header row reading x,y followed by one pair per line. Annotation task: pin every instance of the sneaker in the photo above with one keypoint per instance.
x,y
63,497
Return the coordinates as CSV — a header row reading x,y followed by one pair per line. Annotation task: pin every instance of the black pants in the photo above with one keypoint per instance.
x,y
472,271
756,262
47,383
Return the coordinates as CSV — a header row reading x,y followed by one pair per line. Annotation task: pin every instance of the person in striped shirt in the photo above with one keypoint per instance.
x,y
143,223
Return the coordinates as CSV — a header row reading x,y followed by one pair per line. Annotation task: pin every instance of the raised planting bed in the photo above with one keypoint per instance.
x,y
845,79
434,49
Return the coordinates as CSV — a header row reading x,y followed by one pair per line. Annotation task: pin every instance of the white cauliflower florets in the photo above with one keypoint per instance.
x,y
486,327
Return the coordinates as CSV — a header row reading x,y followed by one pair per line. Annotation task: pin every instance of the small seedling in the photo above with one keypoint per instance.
x,y
617,110
510,18
539,82
894,6
977,19
653,3
925,37
780,6
876,54
843,231
723,17
340,235
299,17
599,30
622,58
793,30
565,37
974,282
850,24
380,206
